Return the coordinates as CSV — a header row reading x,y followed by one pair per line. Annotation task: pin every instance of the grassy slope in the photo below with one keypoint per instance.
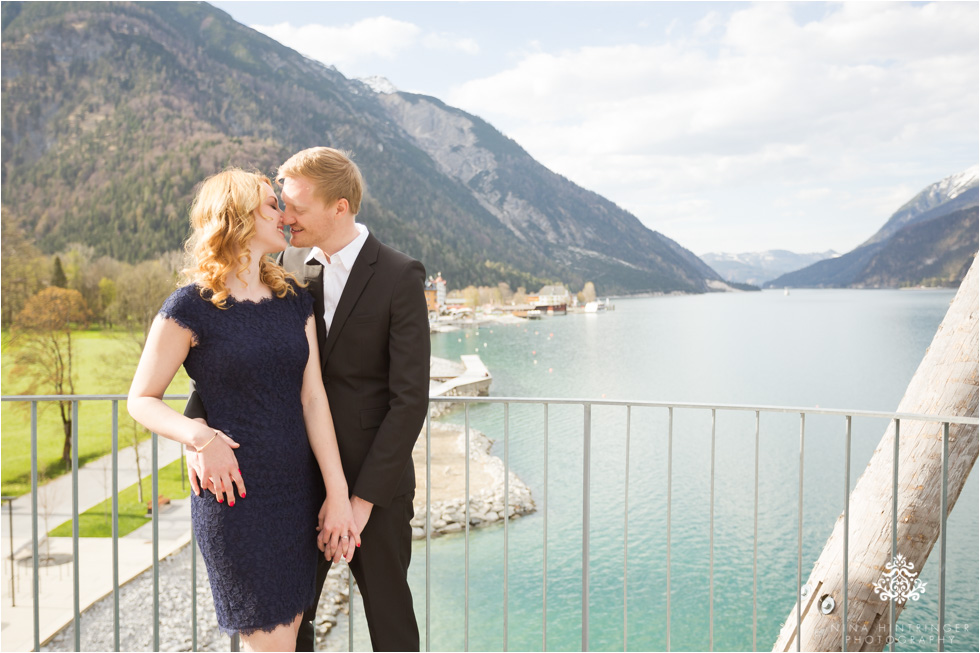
x,y
106,363
97,520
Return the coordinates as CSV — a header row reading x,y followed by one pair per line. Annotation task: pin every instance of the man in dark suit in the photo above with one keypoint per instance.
x,y
372,328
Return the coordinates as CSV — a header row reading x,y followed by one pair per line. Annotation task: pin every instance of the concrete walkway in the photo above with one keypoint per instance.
x,y
473,381
56,593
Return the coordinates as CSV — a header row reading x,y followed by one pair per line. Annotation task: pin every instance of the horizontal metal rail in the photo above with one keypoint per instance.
x,y
558,401
506,402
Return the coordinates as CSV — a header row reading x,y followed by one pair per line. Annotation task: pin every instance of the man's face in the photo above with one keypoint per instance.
x,y
310,222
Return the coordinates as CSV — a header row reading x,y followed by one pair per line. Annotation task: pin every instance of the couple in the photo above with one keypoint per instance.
x,y
311,387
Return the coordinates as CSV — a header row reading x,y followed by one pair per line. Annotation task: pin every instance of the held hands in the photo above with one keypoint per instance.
x,y
338,532
214,467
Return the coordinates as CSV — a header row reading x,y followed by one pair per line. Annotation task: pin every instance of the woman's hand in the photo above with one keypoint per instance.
x,y
338,535
218,467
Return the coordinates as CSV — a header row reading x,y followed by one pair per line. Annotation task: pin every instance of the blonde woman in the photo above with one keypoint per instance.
x,y
244,330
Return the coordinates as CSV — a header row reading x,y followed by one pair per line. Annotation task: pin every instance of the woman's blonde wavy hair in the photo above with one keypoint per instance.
x,y
223,220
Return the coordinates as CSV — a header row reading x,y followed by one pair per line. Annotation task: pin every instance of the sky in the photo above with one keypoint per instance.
x,y
727,126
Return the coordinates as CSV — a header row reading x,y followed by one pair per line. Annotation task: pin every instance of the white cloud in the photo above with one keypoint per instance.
x,y
347,46
338,45
835,102
443,41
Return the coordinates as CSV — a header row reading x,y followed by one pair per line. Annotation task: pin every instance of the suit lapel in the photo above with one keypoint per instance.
x,y
360,274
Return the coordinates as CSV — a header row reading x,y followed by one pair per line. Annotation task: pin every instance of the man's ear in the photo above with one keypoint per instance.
x,y
342,206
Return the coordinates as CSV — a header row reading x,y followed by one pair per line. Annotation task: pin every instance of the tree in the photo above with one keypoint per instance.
x,y
44,351
136,300
520,297
23,272
58,277
107,295
588,292
471,295
141,293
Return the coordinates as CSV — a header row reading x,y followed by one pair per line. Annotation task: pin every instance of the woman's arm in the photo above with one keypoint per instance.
x,y
336,518
167,345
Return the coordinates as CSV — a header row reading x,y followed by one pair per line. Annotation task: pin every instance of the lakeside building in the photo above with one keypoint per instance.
x,y
435,294
552,300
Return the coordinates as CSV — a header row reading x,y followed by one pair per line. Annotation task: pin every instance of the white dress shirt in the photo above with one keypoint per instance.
x,y
336,270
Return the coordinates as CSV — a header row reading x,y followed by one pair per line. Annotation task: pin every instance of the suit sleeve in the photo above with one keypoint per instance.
x,y
408,383
195,407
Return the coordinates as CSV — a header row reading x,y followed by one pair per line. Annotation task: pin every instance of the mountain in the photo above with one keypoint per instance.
x,y
930,240
758,267
113,112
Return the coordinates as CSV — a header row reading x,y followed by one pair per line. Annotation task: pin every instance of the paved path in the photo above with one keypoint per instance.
x,y
95,554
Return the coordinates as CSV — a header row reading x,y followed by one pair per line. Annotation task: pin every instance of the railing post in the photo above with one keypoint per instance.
x,y
350,612
755,543
799,547
670,484
626,529
586,480
711,541
466,541
544,546
847,517
156,543
34,539
942,537
506,509
74,524
115,524
194,590
10,517
428,525
891,601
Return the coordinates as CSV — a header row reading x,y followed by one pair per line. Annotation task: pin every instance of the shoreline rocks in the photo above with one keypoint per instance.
x,y
486,504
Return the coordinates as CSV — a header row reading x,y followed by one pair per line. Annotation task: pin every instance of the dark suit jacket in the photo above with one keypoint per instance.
x,y
375,364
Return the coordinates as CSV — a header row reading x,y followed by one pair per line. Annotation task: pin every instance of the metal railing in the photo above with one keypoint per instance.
x,y
587,406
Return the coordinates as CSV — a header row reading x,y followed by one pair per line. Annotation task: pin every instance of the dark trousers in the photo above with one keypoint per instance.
x,y
380,567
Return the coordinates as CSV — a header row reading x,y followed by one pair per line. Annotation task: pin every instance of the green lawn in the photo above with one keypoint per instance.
x,y
105,365
97,520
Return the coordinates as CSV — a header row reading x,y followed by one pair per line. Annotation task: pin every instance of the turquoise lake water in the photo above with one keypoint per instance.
x,y
847,349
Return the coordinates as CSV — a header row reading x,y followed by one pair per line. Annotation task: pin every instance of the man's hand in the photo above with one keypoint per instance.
x,y
362,512
338,532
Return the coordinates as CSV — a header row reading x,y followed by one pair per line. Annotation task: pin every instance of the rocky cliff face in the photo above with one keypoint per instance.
x,y
576,227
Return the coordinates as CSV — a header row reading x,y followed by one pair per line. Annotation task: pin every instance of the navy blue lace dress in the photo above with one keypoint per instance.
x,y
247,362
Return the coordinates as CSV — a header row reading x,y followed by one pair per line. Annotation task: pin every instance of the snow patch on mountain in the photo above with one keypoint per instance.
x,y
378,84
758,267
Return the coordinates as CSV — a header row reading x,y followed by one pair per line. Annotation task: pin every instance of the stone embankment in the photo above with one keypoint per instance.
x,y
448,465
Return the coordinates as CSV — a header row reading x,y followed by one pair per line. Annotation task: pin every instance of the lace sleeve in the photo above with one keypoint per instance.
x,y
181,307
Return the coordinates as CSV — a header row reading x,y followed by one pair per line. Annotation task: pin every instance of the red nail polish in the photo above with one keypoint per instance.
x,y
231,503
243,495
220,499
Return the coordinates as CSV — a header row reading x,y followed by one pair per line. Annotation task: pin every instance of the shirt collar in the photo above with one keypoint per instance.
x,y
345,256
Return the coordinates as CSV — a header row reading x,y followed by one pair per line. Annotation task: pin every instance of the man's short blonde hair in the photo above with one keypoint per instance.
x,y
333,175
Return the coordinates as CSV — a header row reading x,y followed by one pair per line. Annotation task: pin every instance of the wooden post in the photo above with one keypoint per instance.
x,y
944,384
